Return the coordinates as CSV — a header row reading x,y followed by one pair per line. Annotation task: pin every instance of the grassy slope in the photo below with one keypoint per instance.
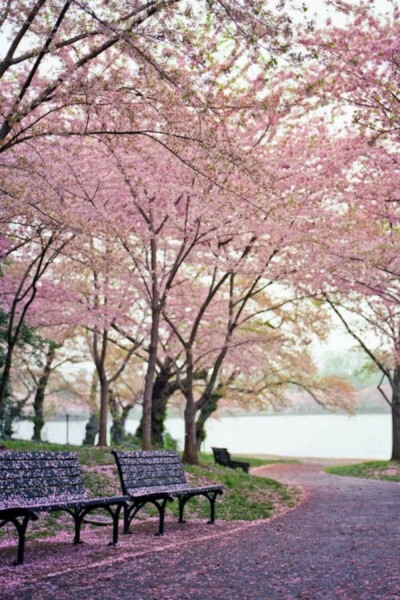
x,y
246,497
378,469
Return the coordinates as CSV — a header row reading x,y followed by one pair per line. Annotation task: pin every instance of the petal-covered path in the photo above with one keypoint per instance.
x,y
342,542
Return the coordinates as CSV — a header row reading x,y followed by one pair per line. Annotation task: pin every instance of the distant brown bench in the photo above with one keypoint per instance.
x,y
222,457
158,477
33,482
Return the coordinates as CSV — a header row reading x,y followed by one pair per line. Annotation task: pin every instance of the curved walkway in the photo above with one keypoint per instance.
x,y
342,542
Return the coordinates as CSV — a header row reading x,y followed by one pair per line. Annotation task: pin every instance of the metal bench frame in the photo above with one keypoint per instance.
x,y
34,482
158,477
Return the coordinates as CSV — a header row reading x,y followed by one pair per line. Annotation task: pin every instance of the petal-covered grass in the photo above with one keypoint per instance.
x,y
386,470
246,497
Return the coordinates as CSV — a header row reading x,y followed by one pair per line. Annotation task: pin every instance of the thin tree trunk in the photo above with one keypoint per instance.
x,y
190,453
5,376
119,416
117,430
38,418
153,347
149,382
396,414
103,411
93,425
124,416
91,430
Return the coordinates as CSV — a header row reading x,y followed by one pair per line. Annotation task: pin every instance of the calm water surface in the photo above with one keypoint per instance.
x,y
327,436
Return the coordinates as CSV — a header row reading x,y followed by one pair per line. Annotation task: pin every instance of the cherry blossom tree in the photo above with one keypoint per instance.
x,y
358,76
67,60
32,239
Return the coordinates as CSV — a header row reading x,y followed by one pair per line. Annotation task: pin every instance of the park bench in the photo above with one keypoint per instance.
x,y
33,482
158,477
222,457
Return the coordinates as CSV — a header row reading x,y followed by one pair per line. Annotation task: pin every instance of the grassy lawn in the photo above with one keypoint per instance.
x,y
377,469
246,497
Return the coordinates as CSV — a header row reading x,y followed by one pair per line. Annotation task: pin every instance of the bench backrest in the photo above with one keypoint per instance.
x,y
222,456
27,477
150,471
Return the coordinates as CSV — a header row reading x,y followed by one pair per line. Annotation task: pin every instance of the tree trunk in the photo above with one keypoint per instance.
x,y
115,432
124,416
396,415
5,376
91,430
93,425
149,382
103,411
206,411
38,419
190,454
162,391
119,416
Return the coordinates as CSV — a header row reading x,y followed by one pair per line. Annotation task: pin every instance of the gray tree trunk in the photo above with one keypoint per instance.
x,y
396,415
38,417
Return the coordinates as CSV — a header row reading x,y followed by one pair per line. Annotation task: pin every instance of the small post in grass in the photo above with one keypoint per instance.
x,y
67,426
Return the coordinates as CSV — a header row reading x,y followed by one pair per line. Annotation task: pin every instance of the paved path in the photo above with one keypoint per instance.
x,y
343,542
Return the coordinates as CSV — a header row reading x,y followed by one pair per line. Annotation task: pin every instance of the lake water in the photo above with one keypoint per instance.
x,y
327,436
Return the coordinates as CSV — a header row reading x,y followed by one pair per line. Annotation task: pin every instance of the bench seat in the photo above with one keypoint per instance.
x,y
48,505
158,477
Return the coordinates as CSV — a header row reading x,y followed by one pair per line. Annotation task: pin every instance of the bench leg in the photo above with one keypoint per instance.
x,y
182,501
129,513
78,518
115,518
21,530
126,519
78,514
161,510
211,497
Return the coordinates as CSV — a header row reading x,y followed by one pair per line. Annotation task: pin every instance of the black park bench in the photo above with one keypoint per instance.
x,y
158,477
33,482
222,457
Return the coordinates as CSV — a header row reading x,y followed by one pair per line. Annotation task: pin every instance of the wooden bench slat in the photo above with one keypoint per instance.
x,y
36,465
151,482
35,483
43,490
148,462
136,471
156,476
22,455
141,454
20,474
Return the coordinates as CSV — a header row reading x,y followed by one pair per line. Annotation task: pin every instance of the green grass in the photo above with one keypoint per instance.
x,y
246,497
376,469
